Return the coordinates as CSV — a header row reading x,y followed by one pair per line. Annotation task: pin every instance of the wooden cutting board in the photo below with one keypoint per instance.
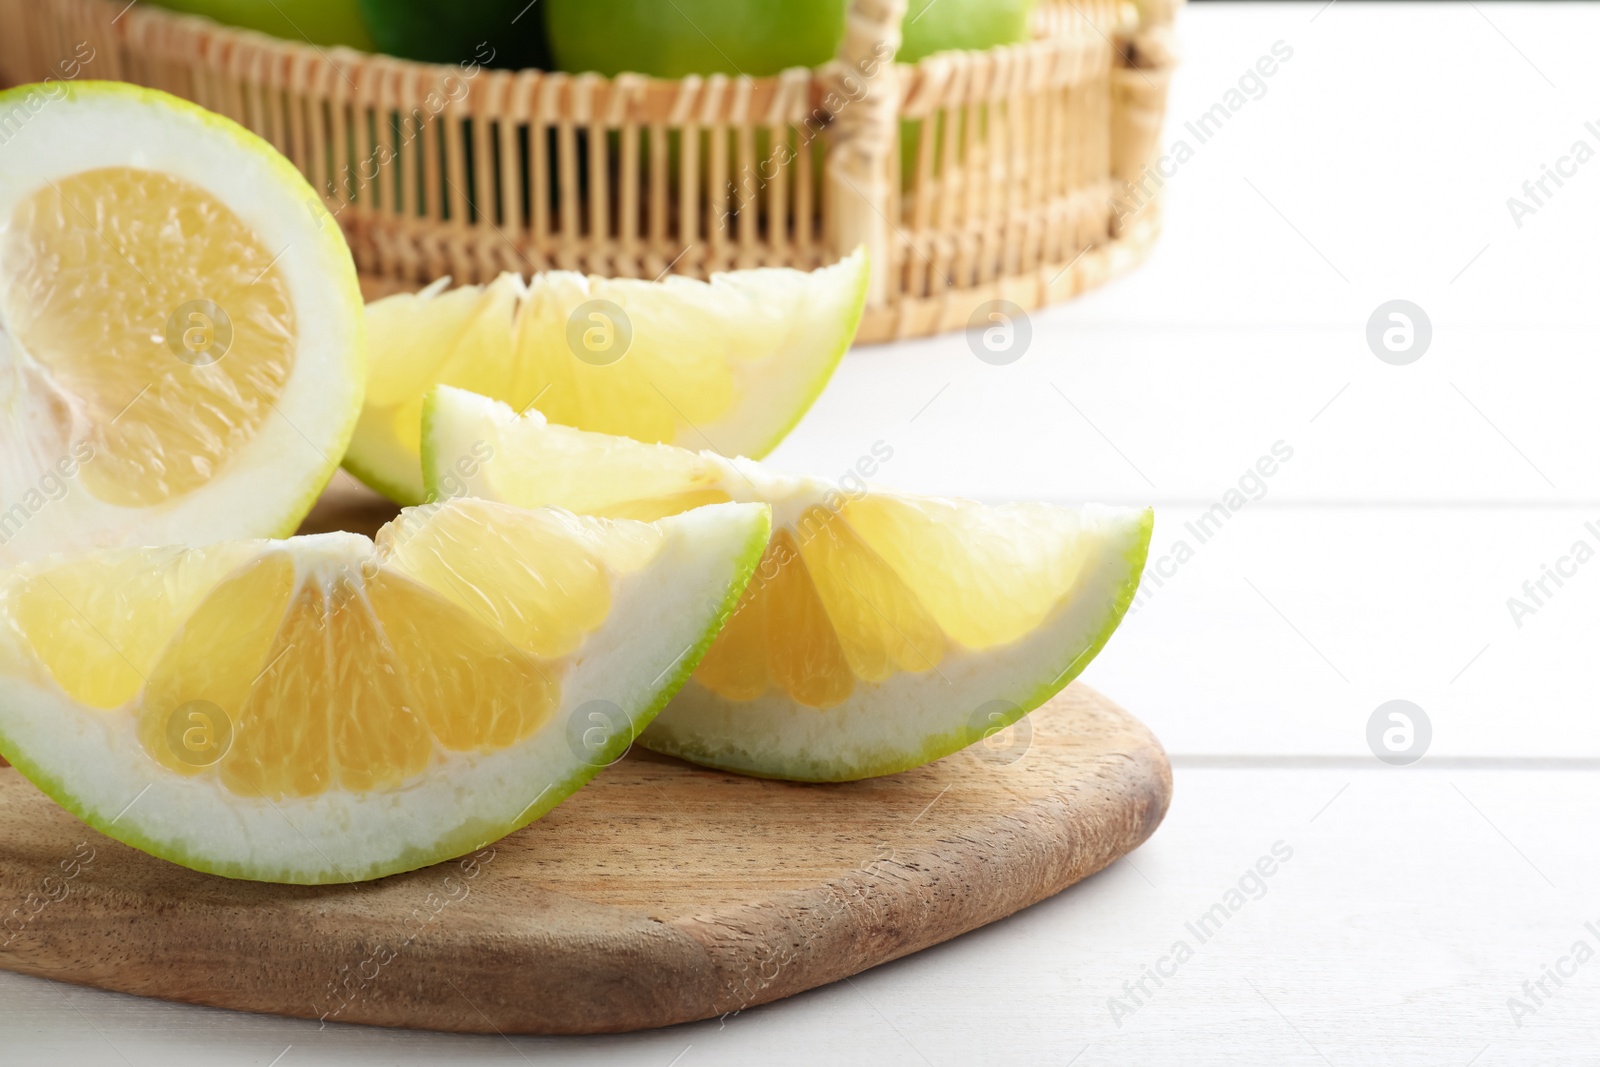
x,y
660,893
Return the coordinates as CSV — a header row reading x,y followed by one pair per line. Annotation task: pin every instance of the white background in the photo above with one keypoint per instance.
x,y
1377,566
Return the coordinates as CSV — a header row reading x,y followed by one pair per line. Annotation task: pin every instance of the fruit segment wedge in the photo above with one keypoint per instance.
x,y
728,365
182,343
881,631
332,708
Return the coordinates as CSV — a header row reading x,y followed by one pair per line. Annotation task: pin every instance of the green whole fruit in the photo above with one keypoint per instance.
x,y
322,22
676,38
493,33
941,25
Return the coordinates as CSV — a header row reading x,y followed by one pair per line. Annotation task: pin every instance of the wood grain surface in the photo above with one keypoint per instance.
x,y
658,894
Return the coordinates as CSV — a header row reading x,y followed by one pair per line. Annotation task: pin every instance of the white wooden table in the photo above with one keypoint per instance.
x,y
1376,565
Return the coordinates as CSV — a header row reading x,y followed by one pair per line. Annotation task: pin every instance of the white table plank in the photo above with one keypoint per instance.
x,y
1138,414
1290,625
1391,141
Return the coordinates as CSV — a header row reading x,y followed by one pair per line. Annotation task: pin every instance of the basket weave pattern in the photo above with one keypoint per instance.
x,y
1012,156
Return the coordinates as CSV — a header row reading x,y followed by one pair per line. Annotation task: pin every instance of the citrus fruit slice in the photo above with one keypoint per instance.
x,y
730,364
182,344
880,631
330,708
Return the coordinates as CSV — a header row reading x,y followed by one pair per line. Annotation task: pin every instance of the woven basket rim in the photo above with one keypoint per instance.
x,y
532,170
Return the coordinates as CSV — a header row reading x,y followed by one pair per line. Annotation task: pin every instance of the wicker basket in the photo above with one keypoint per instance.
x,y
1007,190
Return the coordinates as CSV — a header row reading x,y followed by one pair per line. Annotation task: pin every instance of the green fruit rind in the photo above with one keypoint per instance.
x,y
776,393
430,459
705,729
826,368
335,267
747,526
904,721
824,373
378,480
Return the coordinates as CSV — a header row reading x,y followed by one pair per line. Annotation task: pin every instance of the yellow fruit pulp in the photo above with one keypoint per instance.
x,y
332,662
869,587
108,280
505,342
887,585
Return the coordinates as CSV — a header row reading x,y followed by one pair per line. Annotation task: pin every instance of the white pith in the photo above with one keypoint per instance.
x,y
886,725
265,487
881,726
658,615
771,392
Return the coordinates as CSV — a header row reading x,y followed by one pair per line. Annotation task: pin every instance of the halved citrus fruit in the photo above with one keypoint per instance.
x,y
881,630
182,344
330,708
728,365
